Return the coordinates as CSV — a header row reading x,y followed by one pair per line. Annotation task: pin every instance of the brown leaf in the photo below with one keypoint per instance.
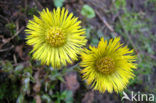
x,y
19,50
88,98
71,81
37,86
38,99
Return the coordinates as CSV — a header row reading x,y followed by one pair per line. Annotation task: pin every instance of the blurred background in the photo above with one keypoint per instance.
x,y
23,80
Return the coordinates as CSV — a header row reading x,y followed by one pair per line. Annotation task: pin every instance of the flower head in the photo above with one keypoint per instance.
x,y
57,37
109,66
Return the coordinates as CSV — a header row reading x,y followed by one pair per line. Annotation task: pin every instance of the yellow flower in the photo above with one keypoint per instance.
x,y
109,66
57,37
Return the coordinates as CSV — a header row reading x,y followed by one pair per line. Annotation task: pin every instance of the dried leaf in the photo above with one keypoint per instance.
x,y
71,82
88,98
37,86
38,99
19,50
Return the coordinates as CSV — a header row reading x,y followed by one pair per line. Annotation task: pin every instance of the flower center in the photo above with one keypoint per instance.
x,y
105,65
55,37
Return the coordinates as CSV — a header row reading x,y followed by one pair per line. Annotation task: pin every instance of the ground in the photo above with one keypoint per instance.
x,y
24,80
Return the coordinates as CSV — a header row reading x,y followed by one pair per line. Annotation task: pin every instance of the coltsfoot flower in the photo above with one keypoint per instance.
x,y
109,66
57,37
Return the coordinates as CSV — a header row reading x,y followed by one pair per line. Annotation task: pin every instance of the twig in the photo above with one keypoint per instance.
x,y
4,18
17,24
96,5
6,49
25,64
8,40
22,28
15,59
106,23
38,4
